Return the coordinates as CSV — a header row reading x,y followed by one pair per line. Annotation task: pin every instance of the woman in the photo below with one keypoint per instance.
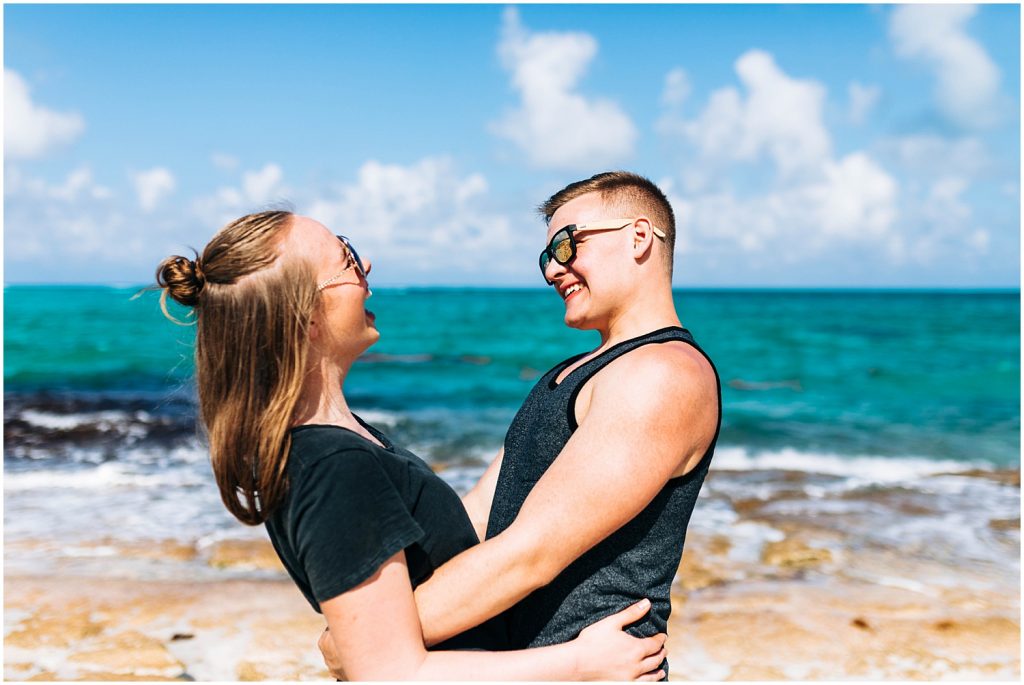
x,y
357,522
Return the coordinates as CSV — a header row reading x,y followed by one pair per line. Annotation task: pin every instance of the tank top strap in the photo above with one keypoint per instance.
x,y
584,371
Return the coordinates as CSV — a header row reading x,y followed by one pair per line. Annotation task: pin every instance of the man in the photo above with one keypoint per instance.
x,y
586,506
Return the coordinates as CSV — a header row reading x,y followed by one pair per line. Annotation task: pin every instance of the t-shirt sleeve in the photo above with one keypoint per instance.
x,y
350,519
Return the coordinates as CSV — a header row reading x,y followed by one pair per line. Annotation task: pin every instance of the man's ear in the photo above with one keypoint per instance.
x,y
643,236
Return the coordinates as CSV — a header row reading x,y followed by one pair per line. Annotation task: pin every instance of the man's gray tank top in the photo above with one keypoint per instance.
x,y
638,560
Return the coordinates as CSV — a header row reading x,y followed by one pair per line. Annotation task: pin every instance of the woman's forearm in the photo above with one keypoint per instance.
x,y
557,662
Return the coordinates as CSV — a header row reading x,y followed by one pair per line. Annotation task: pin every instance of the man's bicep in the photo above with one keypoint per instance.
x,y
606,474
638,428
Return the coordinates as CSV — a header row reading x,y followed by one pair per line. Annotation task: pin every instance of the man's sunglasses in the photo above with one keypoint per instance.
x,y
353,261
562,247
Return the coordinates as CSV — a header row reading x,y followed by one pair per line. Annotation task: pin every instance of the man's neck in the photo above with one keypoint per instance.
x,y
643,314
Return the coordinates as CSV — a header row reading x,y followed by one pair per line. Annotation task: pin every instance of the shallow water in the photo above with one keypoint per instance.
x,y
839,407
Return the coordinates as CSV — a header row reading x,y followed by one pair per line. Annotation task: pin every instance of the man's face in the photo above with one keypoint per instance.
x,y
588,284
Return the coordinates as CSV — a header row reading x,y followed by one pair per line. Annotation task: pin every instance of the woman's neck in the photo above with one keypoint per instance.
x,y
323,402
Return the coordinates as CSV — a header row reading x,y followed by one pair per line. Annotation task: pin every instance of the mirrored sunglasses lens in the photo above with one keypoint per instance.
x,y
562,250
355,255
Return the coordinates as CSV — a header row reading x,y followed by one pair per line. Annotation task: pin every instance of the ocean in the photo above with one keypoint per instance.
x,y
839,395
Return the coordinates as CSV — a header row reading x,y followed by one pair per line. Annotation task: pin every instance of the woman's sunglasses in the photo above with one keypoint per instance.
x,y
353,261
562,247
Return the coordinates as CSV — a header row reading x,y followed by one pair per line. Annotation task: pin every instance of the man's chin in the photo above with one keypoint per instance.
x,y
579,323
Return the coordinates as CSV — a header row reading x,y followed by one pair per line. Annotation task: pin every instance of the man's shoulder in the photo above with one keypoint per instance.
x,y
673,367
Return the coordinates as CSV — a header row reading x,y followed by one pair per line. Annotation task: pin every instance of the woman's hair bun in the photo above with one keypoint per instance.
x,y
182,278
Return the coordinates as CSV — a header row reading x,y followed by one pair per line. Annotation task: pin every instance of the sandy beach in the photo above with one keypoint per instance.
x,y
803,601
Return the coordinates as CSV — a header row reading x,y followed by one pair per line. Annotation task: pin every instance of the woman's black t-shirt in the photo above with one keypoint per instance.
x,y
352,504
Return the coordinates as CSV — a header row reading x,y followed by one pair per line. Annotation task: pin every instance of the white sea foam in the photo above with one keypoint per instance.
x,y
748,538
103,419
868,469
105,476
378,417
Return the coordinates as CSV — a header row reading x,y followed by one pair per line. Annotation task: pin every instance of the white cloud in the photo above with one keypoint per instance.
x,y
30,130
78,185
944,203
853,202
862,101
857,199
258,189
802,202
677,88
968,79
416,214
927,155
949,221
556,126
937,214
73,219
263,186
152,186
777,116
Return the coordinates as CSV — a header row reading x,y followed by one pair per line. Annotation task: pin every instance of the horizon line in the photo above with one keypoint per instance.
x,y
691,287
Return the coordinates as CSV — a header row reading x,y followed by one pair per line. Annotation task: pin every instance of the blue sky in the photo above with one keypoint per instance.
x,y
836,145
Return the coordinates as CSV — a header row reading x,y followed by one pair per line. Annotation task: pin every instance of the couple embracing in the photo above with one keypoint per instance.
x,y
583,512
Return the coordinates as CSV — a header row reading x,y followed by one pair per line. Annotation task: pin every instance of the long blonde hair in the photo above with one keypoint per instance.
x,y
252,307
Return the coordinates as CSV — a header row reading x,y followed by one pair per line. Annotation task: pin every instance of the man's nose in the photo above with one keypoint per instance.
x,y
553,270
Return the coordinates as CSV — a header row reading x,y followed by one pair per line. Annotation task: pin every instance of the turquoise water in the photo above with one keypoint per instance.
x,y
885,374
830,398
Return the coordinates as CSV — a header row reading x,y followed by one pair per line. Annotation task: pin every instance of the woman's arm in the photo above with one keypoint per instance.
x,y
478,500
375,634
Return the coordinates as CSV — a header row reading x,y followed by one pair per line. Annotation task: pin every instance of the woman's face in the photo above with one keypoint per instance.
x,y
343,325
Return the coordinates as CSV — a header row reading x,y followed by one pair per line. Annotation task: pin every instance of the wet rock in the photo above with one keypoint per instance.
x,y
860,623
1004,476
53,631
693,575
245,554
746,507
131,677
747,672
719,545
1005,524
158,550
793,553
248,672
128,653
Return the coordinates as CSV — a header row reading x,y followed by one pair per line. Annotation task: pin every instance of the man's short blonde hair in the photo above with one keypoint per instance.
x,y
631,193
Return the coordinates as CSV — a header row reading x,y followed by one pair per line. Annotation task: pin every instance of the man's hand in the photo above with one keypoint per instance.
x,y
330,655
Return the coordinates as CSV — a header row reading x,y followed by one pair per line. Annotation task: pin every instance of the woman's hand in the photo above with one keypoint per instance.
x,y
604,651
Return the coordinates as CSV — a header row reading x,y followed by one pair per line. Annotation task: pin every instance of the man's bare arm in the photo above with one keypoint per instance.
x,y
665,403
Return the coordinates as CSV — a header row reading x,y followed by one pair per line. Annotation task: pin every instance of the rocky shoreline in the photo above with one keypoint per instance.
x,y
788,586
